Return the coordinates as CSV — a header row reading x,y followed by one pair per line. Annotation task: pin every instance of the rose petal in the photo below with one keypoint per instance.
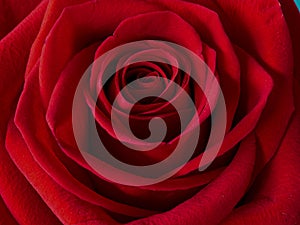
x,y
254,80
47,153
52,13
23,202
163,25
13,12
209,26
274,198
68,208
72,33
219,196
14,49
6,216
264,34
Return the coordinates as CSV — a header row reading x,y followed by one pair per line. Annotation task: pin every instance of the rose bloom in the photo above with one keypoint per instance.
x,y
251,46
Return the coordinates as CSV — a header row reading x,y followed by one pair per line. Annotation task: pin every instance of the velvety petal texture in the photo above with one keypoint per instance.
x,y
251,48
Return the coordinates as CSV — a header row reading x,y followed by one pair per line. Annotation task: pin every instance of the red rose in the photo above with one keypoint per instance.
x,y
250,47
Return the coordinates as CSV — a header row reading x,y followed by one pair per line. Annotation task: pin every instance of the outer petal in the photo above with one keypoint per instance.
x,y
71,33
68,208
259,27
24,204
275,197
219,196
47,154
6,217
12,12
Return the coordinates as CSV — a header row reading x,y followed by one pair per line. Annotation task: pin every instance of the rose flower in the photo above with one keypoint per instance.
x,y
149,112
